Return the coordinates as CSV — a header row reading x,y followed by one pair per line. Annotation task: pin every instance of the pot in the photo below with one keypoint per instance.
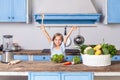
x,y
78,39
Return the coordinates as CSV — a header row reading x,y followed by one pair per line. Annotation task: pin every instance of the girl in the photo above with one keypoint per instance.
x,y
57,42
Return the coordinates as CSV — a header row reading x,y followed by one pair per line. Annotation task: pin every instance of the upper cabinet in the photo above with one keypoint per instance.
x,y
14,10
113,11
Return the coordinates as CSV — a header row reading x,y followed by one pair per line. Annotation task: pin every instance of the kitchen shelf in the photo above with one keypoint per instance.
x,y
68,18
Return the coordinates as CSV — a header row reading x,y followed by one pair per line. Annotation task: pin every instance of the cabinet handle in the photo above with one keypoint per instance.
x,y
43,57
12,17
8,17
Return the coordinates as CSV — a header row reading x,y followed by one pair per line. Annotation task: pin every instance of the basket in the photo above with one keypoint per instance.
x,y
96,60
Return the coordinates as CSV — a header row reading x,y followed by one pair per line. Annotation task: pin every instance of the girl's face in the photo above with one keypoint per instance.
x,y
58,40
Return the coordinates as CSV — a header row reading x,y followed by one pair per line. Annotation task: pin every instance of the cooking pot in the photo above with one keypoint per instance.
x,y
78,39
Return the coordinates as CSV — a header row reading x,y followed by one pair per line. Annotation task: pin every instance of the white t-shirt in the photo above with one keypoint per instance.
x,y
57,51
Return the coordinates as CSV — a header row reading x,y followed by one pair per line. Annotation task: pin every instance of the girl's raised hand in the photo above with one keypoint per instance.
x,y
42,27
74,27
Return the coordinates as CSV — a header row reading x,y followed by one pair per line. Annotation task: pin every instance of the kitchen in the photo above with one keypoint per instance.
x,y
29,36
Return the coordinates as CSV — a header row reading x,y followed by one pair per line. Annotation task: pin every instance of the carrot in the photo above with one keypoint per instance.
x,y
67,63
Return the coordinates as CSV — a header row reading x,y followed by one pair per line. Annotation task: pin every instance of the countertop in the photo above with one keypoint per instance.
x,y
56,67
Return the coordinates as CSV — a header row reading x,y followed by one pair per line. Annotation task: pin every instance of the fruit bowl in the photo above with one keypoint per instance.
x,y
97,55
95,60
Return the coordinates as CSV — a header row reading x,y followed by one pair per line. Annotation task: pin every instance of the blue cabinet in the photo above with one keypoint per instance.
x,y
60,76
77,76
19,57
44,76
41,58
113,11
13,10
47,57
5,10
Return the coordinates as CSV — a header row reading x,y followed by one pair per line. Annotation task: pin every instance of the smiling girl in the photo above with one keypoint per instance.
x,y
57,42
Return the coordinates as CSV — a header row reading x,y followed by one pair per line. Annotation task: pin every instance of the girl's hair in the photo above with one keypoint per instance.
x,y
57,34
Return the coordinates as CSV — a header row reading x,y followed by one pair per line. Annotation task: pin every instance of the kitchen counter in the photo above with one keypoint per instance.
x,y
23,68
56,67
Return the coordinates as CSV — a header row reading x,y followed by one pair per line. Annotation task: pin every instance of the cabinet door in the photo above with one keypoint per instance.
x,y
113,11
19,10
21,57
44,76
77,76
5,10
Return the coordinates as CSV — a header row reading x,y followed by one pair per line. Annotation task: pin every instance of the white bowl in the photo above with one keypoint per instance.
x,y
96,60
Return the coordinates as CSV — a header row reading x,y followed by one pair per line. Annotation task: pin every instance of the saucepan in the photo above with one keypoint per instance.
x,y
78,39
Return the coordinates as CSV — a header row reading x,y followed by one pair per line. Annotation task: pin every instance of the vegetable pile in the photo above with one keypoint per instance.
x,y
76,60
57,58
100,49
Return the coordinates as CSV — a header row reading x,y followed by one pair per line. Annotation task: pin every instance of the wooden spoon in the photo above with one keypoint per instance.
x,y
42,18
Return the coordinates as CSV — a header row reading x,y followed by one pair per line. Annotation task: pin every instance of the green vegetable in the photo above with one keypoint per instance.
x,y
105,51
57,58
111,49
90,51
76,59
82,47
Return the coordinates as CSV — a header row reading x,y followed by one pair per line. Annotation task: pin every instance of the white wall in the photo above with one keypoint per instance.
x,y
30,37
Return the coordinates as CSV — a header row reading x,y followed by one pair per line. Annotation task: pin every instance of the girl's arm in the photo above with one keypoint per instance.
x,y
69,33
46,33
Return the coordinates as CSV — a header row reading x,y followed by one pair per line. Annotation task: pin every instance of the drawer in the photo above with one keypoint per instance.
x,y
41,58
77,76
21,57
116,58
70,57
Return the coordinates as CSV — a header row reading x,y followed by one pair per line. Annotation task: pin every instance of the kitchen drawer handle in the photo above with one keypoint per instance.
x,y
12,17
8,17
66,57
43,57
116,58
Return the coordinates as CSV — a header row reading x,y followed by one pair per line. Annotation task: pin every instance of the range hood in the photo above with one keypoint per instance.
x,y
86,15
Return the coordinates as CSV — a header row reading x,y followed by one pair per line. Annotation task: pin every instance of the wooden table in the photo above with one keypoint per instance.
x,y
23,68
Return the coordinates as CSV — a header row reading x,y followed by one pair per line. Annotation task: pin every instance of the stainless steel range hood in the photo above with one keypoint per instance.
x,y
86,13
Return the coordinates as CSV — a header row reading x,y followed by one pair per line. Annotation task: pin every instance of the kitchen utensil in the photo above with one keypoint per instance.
x,y
7,54
78,39
14,62
68,43
42,19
